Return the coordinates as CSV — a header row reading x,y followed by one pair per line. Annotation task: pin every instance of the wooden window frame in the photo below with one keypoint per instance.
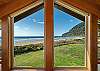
x,y
7,41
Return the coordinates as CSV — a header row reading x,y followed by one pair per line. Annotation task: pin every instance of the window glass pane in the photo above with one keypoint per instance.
x,y
29,41
69,40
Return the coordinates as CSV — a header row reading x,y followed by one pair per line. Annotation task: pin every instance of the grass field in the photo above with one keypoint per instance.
x,y
65,55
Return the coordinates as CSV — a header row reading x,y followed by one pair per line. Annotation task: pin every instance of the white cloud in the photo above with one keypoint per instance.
x,y
16,27
34,20
71,20
40,22
26,28
20,33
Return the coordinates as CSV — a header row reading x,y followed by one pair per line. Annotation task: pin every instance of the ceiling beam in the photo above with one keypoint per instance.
x,y
85,5
13,6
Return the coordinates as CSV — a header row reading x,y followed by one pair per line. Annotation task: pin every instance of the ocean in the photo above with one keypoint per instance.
x,y
38,38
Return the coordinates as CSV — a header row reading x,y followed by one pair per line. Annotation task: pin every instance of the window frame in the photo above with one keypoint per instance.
x,y
7,32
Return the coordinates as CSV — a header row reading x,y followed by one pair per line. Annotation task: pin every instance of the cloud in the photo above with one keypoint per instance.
x,y
71,20
40,22
16,27
26,28
34,20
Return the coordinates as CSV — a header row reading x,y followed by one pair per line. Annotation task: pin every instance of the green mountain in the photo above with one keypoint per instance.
x,y
78,30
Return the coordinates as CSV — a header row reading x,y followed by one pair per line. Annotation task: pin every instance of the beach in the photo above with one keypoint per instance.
x,y
31,40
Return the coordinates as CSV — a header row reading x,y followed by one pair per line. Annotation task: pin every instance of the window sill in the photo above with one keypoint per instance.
x,y
56,69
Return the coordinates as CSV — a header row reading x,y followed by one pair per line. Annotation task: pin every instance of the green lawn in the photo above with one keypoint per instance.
x,y
66,55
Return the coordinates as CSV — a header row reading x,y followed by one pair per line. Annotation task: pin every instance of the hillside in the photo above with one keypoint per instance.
x,y
78,30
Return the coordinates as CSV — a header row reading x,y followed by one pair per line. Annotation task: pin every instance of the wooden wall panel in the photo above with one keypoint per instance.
x,y
92,43
13,6
4,1
5,44
11,40
84,5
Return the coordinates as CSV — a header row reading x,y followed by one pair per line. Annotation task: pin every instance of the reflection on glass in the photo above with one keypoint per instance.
x,y
28,41
69,40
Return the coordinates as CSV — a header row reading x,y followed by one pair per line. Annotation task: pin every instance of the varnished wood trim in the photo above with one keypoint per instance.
x,y
56,69
86,40
28,12
35,4
70,7
70,12
11,40
49,50
5,44
13,6
85,5
92,43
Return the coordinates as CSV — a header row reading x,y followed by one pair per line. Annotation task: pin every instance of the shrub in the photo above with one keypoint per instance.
x,y
27,48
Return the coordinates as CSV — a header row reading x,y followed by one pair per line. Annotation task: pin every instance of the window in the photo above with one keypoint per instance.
x,y
69,40
29,41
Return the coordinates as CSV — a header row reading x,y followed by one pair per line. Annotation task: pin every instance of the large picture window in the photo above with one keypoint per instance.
x,y
69,40
29,41
39,38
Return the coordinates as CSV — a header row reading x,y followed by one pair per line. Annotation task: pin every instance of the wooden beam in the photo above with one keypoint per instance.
x,y
11,41
85,6
5,44
92,43
49,50
13,6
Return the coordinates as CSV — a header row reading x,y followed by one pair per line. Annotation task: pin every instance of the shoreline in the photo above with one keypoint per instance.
x,y
22,43
28,42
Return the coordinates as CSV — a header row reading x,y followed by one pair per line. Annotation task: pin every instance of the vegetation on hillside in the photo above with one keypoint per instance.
x,y
78,30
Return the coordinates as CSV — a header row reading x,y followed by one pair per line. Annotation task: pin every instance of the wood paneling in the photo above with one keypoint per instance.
x,y
85,6
4,1
98,1
13,6
11,40
27,13
5,44
92,43
49,51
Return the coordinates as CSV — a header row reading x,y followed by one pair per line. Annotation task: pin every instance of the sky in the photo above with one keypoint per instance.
x,y
33,25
